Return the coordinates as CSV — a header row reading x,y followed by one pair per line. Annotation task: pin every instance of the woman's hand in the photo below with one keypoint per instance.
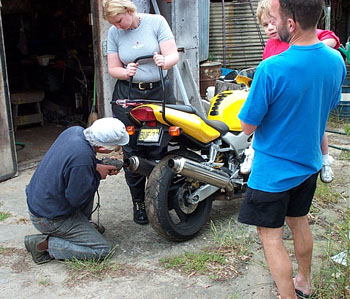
x,y
159,59
131,69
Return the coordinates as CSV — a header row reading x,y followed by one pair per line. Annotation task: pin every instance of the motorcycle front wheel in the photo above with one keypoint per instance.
x,y
168,210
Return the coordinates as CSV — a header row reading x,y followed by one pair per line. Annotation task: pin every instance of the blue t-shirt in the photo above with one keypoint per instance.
x,y
66,178
289,101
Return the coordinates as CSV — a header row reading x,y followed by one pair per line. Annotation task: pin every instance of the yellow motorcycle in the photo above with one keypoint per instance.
x,y
202,159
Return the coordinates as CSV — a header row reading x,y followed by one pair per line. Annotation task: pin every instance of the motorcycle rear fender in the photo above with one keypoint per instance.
x,y
190,123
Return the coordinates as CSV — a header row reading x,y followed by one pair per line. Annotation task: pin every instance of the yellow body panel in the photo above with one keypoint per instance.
x,y
191,124
225,107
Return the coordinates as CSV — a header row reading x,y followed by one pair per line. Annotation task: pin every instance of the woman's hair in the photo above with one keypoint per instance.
x,y
263,9
111,8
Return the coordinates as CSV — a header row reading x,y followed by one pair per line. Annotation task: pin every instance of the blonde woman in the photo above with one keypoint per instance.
x,y
133,35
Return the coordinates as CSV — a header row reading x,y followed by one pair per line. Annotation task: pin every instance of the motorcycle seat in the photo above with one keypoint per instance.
x,y
216,124
184,108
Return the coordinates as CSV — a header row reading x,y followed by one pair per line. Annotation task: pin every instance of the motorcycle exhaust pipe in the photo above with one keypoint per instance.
x,y
139,165
202,173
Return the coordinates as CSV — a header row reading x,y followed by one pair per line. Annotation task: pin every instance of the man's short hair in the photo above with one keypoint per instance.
x,y
306,12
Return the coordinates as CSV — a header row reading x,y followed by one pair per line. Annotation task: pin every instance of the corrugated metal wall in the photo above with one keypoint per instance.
x,y
239,41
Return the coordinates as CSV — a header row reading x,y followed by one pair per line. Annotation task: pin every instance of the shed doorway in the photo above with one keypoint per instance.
x,y
50,65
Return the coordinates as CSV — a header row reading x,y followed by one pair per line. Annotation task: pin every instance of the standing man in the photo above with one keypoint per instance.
x,y
288,106
61,192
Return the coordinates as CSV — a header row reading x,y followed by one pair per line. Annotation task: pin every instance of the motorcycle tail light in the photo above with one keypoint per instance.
x,y
174,131
130,130
144,114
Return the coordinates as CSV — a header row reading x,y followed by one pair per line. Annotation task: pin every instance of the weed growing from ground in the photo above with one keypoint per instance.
x,y
344,155
324,197
44,282
232,248
234,237
333,279
347,129
4,215
90,268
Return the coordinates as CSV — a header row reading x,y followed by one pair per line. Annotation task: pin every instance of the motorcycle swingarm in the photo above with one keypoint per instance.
x,y
202,193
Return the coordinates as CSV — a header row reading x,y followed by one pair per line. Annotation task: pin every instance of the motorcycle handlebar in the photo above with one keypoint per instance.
x,y
133,102
142,57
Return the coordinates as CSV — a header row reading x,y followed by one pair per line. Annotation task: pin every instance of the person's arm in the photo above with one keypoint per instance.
x,y
331,42
169,55
329,38
116,68
81,183
247,129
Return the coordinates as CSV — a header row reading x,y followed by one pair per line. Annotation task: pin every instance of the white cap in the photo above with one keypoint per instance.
x,y
107,132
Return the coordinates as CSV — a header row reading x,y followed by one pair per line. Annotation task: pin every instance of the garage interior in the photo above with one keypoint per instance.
x,y
50,65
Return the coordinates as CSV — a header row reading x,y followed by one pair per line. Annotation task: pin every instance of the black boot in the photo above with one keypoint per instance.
x,y
140,216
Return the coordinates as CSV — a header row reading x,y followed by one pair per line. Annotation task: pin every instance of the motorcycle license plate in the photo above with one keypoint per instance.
x,y
149,135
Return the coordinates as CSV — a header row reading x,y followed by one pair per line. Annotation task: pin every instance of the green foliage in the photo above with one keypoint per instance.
x,y
4,215
96,268
333,279
347,129
194,262
233,236
344,155
211,57
325,195
44,282
232,247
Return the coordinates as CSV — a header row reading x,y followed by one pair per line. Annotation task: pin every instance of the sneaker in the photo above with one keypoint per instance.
x,y
31,242
140,216
246,166
327,175
99,227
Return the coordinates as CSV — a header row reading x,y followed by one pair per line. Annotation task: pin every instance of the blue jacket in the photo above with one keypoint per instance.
x,y
66,178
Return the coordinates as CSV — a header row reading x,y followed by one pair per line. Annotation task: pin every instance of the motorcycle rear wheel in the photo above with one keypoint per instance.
x,y
168,211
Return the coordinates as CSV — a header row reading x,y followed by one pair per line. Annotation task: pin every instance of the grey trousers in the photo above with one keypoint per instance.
x,y
73,236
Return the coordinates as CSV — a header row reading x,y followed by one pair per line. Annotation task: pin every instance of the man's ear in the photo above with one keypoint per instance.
x,y
99,149
103,149
291,25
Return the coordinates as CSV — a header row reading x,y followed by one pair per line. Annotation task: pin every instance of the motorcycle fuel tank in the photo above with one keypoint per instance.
x,y
225,107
